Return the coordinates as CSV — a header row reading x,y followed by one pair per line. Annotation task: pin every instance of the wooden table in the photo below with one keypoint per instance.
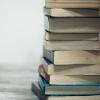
x,y
15,82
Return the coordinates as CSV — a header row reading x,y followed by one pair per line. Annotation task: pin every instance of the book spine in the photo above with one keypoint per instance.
x,y
49,55
45,63
41,85
43,72
37,91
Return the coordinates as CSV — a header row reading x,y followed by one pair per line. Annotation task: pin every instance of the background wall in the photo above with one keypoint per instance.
x,y
21,32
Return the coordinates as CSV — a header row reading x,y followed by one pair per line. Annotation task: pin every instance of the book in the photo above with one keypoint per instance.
x,y
74,98
72,45
68,90
72,3
37,91
71,12
71,36
47,67
70,79
72,57
72,25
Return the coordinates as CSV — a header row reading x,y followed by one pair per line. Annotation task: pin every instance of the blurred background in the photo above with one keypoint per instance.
x,y
21,40
21,31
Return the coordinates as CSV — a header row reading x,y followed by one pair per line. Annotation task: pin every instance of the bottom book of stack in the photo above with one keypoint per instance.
x,y
46,91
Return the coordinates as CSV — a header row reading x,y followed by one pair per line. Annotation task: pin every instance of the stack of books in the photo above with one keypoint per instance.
x,y
70,67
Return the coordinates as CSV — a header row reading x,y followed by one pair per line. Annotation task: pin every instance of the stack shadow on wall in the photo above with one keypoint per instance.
x,y
70,67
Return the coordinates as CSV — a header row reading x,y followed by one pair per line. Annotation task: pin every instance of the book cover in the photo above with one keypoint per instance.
x,y
60,90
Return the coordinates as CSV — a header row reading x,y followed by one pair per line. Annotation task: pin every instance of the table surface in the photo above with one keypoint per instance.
x,y
15,82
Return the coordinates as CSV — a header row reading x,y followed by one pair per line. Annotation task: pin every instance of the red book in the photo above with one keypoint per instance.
x,y
43,73
37,91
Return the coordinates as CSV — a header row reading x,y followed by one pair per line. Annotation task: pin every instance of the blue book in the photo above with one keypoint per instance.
x,y
68,89
38,92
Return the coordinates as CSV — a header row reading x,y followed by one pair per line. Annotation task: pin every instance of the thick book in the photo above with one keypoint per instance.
x,y
72,57
37,91
69,79
61,12
72,3
72,25
71,36
72,45
68,90
47,67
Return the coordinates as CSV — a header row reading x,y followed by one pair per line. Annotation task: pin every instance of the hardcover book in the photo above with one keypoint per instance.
x,y
37,91
72,45
69,79
73,69
68,89
72,25
61,12
72,3
72,57
71,36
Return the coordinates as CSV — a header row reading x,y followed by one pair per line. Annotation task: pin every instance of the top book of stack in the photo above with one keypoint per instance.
x,y
72,3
